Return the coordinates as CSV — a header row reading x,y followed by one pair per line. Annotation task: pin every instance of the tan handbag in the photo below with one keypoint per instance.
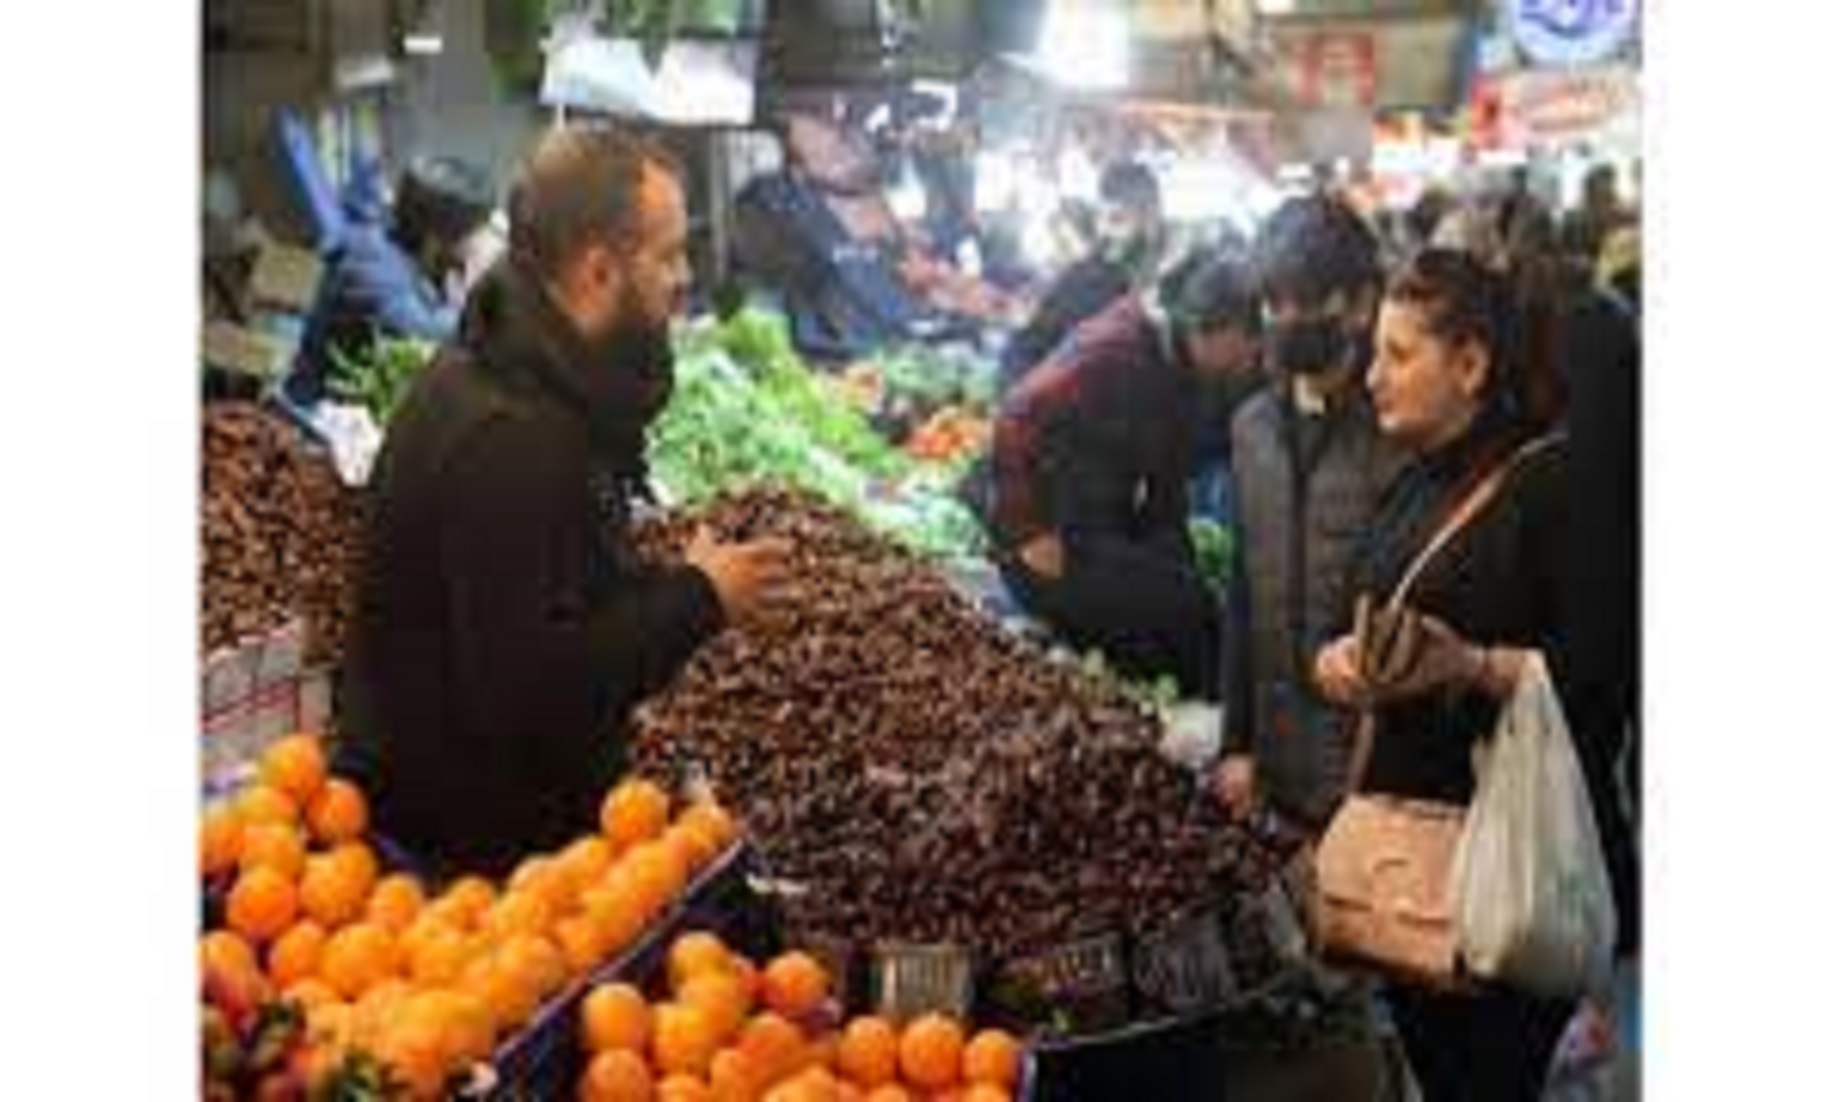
x,y
1384,866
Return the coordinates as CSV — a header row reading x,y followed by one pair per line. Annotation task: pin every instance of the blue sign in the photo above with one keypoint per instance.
x,y
1572,32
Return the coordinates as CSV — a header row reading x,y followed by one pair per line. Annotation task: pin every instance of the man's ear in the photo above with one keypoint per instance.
x,y
1472,367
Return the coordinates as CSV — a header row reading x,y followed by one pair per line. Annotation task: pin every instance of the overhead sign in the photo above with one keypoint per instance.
x,y
1569,33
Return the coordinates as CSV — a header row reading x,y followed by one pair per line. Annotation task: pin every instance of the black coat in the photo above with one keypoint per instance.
x,y
505,630
1517,575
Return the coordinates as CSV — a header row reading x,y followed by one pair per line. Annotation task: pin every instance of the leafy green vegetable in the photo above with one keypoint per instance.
x,y
746,410
378,378
1213,549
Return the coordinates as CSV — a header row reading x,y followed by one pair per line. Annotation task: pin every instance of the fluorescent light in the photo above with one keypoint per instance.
x,y
422,45
1276,7
1085,46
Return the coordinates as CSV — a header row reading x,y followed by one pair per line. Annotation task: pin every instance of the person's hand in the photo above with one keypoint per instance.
x,y
1235,782
1337,673
744,574
1045,556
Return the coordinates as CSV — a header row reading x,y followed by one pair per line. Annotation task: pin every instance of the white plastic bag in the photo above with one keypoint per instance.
x,y
1533,904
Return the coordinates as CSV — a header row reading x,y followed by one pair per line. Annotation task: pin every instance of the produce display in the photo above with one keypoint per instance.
x,y
279,533
747,412
401,989
380,378
724,1027
922,774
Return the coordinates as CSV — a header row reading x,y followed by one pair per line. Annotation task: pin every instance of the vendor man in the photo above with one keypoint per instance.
x,y
1093,456
506,627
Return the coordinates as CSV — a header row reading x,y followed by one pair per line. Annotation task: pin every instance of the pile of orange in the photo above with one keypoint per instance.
x,y
728,1031
426,982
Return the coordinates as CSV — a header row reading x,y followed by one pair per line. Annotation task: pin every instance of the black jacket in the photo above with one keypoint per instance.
x,y
504,629
1102,438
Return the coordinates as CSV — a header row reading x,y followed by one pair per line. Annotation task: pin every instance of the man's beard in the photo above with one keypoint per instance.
x,y
640,364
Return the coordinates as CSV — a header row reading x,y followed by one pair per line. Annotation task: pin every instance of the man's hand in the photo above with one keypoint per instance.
x,y
1236,784
744,574
1045,556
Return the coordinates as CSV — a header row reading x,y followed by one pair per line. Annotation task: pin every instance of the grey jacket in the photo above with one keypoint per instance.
x,y
1307,485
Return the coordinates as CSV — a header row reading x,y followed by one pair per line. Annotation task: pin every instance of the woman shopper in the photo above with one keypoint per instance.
x,y
1449,382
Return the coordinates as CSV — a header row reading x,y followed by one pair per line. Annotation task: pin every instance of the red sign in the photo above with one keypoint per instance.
x,y
1335,68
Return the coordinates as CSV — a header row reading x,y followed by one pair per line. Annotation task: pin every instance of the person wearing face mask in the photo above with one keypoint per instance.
x,y
1092,460
505,626
1309,468
1131,239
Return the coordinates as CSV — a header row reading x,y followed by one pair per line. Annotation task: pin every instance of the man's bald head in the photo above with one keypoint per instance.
x,y
581,185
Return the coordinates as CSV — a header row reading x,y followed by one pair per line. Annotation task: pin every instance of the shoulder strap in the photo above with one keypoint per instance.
x,y
1467,510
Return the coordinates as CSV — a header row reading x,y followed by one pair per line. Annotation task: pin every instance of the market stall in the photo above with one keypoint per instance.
x,y
890,840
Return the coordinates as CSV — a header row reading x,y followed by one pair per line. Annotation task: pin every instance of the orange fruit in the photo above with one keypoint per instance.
x,y
585,861
395,902
311,993
223,951
683,1039
993,1057
696,953
465,901
821,1053
775,1046
634,811
358,958
615,1015
438,956
617,1076
794,984
297,766
263,803
295,954
712,822
537,959
278,846
749,976
986,1092
503,989
339,813
516,913
813,1085
582,947
891,1092
414,1046
734,1077
685,1088
869,1052
931,1052
333,891
220,840
683,849
849,1092
469,1025
262,904
658,874
617,914
720,995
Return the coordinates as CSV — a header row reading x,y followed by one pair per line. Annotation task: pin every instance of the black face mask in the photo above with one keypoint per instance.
x,y
1309,347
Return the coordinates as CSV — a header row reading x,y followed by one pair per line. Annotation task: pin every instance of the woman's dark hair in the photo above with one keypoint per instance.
x,y
1463,300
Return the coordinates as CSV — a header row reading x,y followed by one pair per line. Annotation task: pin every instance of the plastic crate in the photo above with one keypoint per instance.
x,y
544,1060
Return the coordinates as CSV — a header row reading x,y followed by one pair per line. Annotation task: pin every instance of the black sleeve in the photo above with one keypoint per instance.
x,y
653,623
